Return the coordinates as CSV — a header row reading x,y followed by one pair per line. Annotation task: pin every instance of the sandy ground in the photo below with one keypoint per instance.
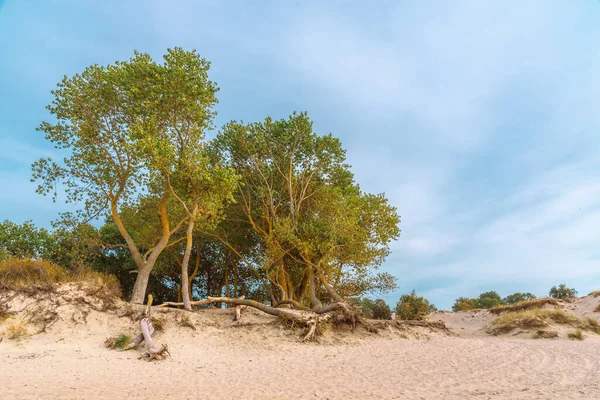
x,y
259,359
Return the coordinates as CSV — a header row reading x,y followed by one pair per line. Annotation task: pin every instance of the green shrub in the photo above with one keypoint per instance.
x,y
413,307
381,310
562,292
464,304
518,298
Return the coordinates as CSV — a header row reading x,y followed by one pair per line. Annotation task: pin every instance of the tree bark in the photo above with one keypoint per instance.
x,y
185,284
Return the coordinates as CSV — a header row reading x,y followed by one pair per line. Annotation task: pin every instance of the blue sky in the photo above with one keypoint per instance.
x,y
479,120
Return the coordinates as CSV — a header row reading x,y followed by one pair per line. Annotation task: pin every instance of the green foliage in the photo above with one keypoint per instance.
x,y
464,304
381,310
562,292
488,300
121,341
485,300
413,307
25,241
518,297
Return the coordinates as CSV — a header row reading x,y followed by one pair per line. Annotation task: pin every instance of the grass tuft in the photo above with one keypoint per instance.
x,y
538,318
17,330
542,334
524,305
577,335
15,273
118,342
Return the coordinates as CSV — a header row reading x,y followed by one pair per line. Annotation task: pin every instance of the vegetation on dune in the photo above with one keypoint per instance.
x,y
18,273
539,318
525,305
576,335
269,210
544,334
118,342
413,307
562,292
16,330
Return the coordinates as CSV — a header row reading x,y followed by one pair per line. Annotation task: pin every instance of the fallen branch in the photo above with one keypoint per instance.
x,y
193,303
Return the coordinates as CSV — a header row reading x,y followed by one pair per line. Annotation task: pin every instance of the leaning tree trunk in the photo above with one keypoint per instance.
x,y
185,283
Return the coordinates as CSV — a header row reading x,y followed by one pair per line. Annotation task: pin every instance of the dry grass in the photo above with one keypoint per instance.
x,y
542,334
595,293
15,272
17,330
525,305
183,320
35,275
538,318
597,309
577,335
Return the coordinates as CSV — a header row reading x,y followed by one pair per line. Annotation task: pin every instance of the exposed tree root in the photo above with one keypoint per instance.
x,y
152,352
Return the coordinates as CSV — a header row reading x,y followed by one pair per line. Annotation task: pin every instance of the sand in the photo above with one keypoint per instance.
x,y
259,359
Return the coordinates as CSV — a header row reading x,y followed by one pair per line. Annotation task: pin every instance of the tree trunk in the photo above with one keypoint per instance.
x,y
314,300
185,283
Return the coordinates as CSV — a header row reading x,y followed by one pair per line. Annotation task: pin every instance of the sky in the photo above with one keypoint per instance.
x,y
478,120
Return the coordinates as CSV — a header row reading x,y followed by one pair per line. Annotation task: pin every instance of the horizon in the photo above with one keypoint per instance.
x,y
476,120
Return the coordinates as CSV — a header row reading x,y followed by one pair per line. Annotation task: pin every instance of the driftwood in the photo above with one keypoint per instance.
x,y
147,329
310,318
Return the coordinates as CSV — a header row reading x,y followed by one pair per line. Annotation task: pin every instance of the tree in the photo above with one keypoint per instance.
x,y
562,292
518,297
488,300
25,241
122,126
381,310
318,234
464,304
413,307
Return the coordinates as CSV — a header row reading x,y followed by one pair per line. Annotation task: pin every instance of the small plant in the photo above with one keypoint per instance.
x,y
16,330
592,324
542,334
158,324
577,335
185,321
464,304
118,342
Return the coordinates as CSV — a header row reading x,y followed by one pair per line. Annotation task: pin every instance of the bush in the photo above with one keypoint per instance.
x,y
15,272
464,304
562,292
518,297
488,300
413,307
381,310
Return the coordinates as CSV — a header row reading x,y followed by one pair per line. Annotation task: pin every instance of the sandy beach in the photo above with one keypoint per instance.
x,y
258,358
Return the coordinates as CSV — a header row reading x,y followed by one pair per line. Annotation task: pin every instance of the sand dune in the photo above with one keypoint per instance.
x,y
259,359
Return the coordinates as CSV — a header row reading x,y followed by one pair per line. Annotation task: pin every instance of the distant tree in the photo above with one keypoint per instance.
x,y
413,307
518,297
25,241
366,306
488,300
562,292
381,310
464,304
